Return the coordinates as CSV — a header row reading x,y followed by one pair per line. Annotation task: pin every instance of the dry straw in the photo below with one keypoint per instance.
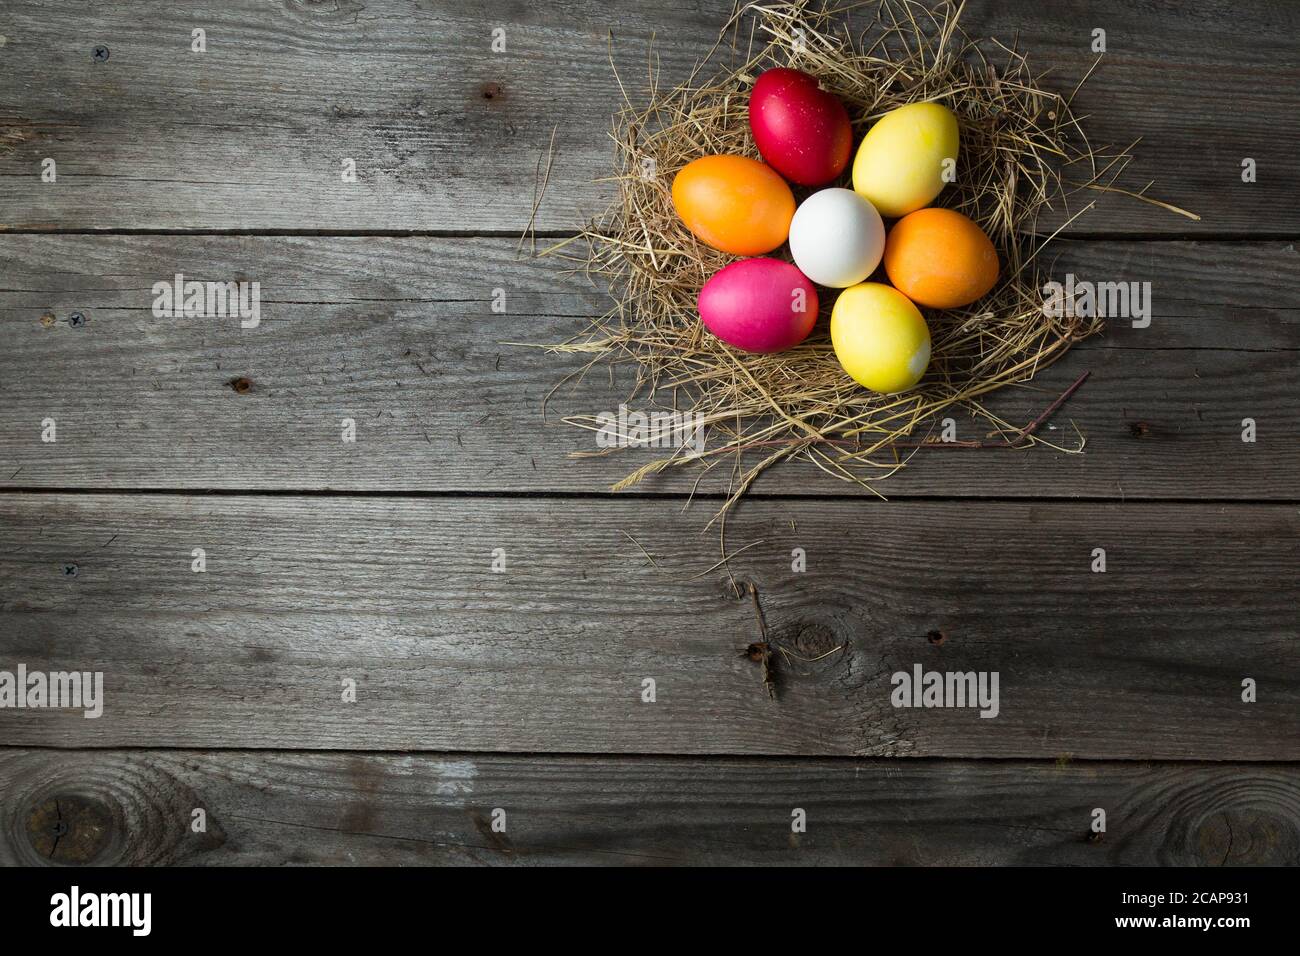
x,y
1023,153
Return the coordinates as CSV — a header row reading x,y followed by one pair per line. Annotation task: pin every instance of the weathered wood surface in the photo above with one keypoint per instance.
x,y
303,592
399,335
1145,660
447,135
288,808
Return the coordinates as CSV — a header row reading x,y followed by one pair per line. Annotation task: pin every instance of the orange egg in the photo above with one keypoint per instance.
x,y
734,204
940,258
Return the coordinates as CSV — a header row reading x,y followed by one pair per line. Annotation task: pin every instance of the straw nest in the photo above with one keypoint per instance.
x,y
1023,154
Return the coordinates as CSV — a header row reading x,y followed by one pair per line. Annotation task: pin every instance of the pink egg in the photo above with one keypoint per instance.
x,y
802,131
759,305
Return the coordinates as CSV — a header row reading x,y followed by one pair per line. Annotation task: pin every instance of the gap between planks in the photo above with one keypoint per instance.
x,y
1203,763
683,496
1099,236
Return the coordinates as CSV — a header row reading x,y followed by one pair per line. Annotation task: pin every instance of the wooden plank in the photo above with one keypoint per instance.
x,y
447,135
399,335
278,808
300,594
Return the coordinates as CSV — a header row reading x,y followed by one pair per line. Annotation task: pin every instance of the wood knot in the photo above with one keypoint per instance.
x,y
491,91
69,829
1139,429
1245,836
810,640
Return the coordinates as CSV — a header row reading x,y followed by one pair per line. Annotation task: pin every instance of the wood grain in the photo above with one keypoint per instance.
x,y
447,135
399,335
523,689
300,594
286,808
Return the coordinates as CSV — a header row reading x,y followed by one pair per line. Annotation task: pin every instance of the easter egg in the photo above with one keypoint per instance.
x,y
837,238
759,305
802,131
939,258
734,203
900,164
880,337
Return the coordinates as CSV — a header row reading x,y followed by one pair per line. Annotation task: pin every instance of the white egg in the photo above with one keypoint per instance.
x,y
837,238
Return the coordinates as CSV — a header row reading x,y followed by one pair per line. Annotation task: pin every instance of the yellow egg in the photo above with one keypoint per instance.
x,y
900,164
880,337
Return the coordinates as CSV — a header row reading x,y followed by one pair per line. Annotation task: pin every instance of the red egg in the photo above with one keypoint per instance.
x,y
759,305
802,131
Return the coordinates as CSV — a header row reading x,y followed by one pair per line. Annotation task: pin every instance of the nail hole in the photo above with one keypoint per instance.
x,y
242,385
936,637
47,319
491,90
1139,429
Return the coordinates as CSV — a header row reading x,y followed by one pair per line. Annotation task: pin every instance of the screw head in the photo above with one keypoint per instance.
x,y
77,319
70,570
101,54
